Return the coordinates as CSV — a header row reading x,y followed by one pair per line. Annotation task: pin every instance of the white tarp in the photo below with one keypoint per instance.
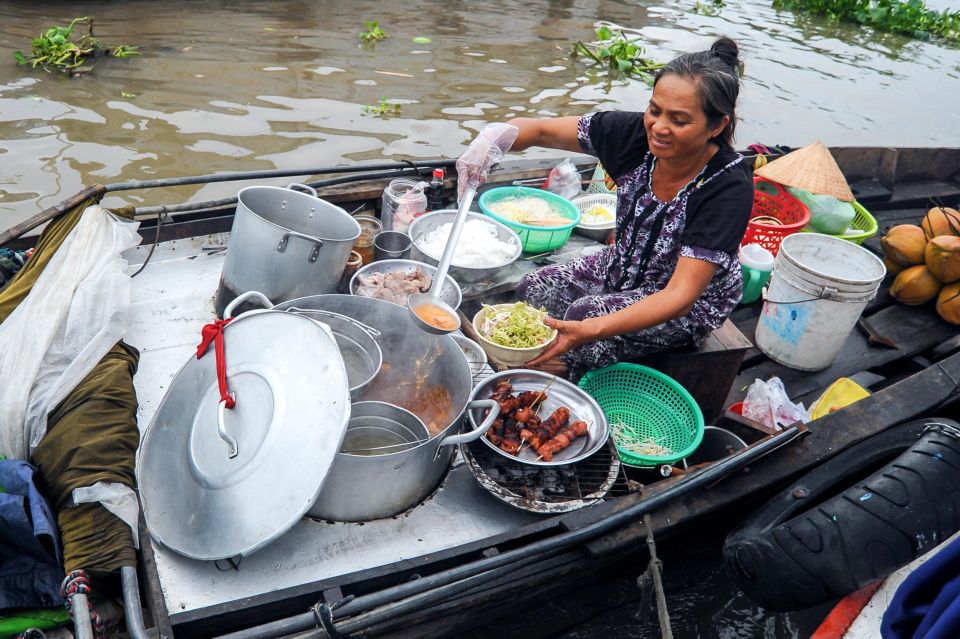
x,y
75,313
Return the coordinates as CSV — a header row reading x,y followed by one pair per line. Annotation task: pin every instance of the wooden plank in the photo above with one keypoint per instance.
x,y
911,398
920,194
920,330
870,191
154,602
902,326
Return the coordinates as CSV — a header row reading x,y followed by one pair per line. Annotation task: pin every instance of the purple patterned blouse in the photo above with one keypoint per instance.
x,y
706,220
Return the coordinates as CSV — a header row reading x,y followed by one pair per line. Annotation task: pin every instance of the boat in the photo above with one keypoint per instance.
x,y
465,556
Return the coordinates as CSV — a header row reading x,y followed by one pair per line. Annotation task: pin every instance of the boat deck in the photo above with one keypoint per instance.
x,y
172,300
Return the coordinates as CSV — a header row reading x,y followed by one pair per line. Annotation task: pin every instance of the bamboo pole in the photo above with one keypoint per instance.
x,y
51,213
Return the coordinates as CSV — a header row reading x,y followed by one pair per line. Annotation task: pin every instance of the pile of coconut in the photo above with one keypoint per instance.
x,y
926,261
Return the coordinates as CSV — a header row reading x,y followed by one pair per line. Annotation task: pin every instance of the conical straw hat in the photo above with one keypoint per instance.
x,y
812,169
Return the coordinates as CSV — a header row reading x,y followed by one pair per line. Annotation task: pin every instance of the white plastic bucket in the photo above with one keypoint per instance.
x,y
819,287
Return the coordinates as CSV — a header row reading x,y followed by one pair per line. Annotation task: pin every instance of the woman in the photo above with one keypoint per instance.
x,y
684,198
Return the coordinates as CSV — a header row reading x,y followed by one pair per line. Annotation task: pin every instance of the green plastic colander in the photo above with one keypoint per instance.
x,y
647,405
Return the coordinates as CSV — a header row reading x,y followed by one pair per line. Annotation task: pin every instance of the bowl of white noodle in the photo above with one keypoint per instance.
x,y
485,245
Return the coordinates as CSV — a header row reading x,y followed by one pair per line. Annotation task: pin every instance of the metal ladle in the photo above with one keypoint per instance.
x,y
433,295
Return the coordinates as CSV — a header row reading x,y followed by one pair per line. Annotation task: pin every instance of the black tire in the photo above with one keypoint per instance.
x,y
833,532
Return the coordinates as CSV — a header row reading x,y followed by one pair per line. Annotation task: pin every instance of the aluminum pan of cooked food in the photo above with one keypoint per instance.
x,y
548,420
395,280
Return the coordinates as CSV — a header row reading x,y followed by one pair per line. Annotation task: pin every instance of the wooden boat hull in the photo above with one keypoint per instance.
x,y
894,183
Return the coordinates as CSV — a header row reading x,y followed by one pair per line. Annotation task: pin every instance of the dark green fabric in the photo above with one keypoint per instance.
x,y
92,435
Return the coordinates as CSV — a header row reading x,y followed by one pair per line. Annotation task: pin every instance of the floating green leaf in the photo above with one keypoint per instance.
x,y
383,109
372,32
709,7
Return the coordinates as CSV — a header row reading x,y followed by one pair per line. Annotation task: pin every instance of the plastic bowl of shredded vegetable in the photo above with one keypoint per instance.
x,y
513,334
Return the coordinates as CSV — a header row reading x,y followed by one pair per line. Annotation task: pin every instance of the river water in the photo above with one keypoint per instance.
x,y
244,84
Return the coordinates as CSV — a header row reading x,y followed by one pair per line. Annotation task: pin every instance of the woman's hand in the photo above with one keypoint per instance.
x,y
569,335
488,148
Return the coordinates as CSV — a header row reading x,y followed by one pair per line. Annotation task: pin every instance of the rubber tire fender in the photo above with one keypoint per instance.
x,y
831,533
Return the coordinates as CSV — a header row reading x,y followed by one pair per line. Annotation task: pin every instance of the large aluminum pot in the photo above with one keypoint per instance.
x,y
285,244
382,467
408,353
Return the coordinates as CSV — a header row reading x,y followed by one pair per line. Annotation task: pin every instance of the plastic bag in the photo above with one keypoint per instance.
x,y
75,312
768,403
116,498
827,214
564,180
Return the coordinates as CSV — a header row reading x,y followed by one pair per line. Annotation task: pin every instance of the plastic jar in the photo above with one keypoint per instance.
x,y
403,200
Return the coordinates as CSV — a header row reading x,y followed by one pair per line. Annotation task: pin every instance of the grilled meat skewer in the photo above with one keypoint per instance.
x,y
563,439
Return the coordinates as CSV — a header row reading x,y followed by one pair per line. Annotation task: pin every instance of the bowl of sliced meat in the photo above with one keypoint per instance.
x,y
544,419
396,280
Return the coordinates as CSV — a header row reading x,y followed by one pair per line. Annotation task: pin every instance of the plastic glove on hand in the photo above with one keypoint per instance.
x,y
488,148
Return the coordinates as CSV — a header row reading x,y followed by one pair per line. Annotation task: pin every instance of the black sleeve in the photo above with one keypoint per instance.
x,y
619,141
718,217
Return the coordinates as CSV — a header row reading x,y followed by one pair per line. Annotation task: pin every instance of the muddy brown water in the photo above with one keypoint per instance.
x,y
244,85
239,85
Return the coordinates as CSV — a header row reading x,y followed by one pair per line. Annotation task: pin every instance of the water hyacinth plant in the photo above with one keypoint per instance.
x,y
911,18
57,50
372,32
622,56
383,109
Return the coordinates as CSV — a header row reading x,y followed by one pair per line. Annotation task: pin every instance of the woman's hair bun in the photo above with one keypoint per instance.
x,y
728,51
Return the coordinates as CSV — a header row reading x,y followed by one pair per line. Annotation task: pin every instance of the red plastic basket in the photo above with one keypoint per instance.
x,y
772,200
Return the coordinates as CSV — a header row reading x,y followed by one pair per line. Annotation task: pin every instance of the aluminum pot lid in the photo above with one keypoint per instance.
x,y
208,498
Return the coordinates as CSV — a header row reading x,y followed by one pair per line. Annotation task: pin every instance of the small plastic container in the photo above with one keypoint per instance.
x,y
402,201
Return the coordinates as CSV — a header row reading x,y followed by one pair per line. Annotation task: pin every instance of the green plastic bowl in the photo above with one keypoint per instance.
x,y
649,405
534,239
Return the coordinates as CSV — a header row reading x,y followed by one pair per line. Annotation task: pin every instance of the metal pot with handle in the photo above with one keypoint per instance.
x,y
419,369
285,243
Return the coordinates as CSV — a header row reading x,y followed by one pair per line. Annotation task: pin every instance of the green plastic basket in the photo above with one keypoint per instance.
x,y
649,405
862,228
534,239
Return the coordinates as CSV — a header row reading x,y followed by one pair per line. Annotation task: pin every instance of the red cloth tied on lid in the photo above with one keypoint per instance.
x,y
213,333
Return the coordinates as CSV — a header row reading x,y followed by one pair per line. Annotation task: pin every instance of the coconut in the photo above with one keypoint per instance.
x,y
941,220
915,285
948,303
942,257
892,267
904,244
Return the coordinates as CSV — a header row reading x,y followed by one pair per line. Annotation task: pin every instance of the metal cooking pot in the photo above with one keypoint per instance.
x,y
382,446
413,473
358,343
285,244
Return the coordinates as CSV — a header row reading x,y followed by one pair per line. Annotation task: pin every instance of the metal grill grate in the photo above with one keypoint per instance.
x,y
538,489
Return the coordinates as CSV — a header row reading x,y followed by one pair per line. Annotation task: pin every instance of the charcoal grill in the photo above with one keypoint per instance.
x,y
547,490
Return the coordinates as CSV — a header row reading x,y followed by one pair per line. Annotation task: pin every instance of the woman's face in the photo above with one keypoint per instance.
x,y
676,125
